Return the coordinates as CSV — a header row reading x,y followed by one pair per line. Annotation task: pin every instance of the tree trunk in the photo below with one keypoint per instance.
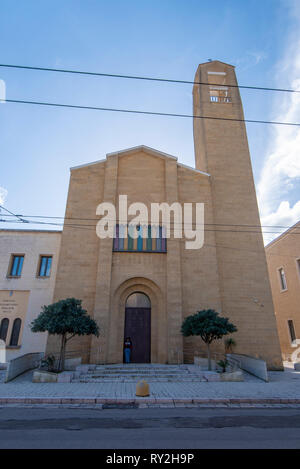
x,y
61,363
208,357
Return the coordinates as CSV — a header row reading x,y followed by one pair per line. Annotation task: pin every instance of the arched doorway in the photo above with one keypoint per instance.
x,y
138,326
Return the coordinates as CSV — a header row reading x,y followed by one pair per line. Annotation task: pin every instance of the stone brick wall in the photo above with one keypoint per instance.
x,y
227,274
284,252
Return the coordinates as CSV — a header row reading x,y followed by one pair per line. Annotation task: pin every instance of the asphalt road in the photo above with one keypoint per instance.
x,y
149,428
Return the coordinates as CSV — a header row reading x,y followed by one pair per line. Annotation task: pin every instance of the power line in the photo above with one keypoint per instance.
x,y
145,78
97,219
152,113
11,214
206,244
83,225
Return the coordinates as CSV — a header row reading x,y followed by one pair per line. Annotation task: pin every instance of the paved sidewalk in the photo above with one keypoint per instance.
x,y
283,387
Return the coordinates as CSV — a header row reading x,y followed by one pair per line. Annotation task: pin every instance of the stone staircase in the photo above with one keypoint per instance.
x,y
134,371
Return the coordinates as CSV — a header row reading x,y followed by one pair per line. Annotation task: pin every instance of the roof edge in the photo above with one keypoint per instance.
x,y
219,61
30,230
282,235
143,148
194,169
87,164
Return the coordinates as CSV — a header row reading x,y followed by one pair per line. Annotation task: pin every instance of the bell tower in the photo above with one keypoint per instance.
x,y
221,149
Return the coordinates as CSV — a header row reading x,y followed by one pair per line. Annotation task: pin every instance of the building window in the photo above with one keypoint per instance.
x,y
4,329
14,338
138,300
298,266
147,239
292,330
282,278
45,266
16,265
219,94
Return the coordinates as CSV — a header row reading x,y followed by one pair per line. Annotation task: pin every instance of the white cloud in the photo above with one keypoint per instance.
x,y
279,184
250,59
285,215
3,195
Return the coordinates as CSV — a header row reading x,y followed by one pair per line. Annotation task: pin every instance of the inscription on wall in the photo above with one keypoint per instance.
x,y
8,307
13,304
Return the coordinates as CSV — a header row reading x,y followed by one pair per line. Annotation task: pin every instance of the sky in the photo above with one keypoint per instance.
x,y
160,38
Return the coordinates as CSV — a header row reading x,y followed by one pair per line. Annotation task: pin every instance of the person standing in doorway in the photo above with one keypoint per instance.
x,y
127,349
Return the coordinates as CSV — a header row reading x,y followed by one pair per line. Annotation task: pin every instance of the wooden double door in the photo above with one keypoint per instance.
x,y
138,328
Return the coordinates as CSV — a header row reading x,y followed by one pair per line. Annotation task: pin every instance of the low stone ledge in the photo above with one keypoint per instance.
x,y
41,376
124,401
199,401
232,376
65,377
211,376
165,401
82,369
182,401
143,401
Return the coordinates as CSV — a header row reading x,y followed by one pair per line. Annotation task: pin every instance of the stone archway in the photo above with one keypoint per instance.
x,y
158,341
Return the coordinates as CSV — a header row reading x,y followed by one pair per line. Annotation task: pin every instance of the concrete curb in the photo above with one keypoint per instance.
x,y
143,400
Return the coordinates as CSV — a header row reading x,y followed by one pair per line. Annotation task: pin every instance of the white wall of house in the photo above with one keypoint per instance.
x,y
24,296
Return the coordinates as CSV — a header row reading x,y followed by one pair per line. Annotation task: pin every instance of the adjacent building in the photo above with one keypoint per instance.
x,y
28,262
283,257
144,287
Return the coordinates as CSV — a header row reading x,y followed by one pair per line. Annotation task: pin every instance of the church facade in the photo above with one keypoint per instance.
x,y
144,287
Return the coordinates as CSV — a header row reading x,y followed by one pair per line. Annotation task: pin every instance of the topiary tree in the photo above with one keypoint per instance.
x,y
66,318
209,326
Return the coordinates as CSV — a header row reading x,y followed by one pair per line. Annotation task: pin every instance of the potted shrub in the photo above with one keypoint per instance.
x,y
226,374
229,344
67,319
209,326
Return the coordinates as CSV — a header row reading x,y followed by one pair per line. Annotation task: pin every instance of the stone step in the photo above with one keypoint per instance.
x,y
139,376
135,380
133,370
139,370
137,367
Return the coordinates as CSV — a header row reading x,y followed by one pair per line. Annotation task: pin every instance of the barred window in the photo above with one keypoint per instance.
x,y
148,238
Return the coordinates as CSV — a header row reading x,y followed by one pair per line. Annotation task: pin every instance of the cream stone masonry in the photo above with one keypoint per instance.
x,y
284,253
221,148
23,297
228,273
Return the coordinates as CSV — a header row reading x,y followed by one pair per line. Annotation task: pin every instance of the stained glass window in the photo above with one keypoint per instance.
x,y
147,239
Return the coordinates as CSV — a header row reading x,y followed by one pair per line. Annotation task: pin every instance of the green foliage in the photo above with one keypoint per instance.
x,y
229,343
65,317
208,325
223,364
48,363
